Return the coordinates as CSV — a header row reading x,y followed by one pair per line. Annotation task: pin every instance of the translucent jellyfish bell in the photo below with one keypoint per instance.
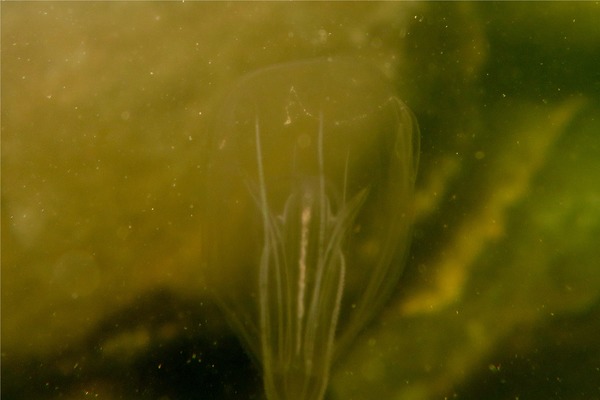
x,y
310,176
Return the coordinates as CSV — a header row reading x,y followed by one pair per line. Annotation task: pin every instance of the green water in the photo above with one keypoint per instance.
x,y
106,108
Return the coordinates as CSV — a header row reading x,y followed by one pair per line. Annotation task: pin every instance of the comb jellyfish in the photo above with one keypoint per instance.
x,y
311,168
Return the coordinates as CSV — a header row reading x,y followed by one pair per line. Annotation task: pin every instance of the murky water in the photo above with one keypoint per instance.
x,y
106,108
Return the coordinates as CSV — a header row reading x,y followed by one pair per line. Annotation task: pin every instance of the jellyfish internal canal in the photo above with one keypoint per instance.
x,y
303,320
310,179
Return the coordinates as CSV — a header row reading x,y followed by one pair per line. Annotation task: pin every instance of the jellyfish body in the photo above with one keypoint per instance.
x,y
311,168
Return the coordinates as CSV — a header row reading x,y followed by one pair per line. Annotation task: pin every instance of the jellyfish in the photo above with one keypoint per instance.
x,y
308,207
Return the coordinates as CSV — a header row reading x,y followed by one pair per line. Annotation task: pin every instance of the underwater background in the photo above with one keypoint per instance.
x,y
105,108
